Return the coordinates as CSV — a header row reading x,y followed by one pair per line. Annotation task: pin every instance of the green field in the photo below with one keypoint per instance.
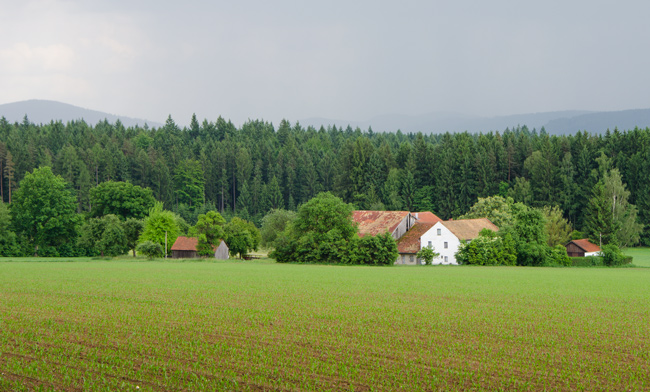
x,y
123,325
641,256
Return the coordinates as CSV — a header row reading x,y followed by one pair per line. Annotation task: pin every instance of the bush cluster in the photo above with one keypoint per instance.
x,y
522,241
323,232
612,256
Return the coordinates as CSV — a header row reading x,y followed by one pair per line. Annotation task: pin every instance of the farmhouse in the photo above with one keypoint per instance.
x,y
444,236
582,248
409,244
185,248
397,223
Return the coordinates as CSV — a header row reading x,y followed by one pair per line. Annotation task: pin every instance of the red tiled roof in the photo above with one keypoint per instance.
x,y
587,246
188,243
468,229
378,222
427,217
410,242
185,243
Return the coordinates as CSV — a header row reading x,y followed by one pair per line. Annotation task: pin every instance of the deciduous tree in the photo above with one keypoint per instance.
x,y
209,230
44,210
122,199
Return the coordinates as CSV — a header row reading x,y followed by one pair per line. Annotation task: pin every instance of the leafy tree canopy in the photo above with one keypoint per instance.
x,y
122,199
132,229
499,210
158,223
8,243
241,236
44,209
325,213
274,223
105,234
209,230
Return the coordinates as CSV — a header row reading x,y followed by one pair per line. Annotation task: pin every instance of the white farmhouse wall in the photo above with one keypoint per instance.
x,y
438,243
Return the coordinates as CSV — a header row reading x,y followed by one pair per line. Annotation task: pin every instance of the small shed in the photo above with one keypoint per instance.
x,y
582,248
185,248
222,252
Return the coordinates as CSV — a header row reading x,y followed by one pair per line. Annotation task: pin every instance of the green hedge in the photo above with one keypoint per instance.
x,y
595,261
588,261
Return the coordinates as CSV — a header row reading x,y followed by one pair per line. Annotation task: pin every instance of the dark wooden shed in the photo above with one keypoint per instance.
x,y
582,248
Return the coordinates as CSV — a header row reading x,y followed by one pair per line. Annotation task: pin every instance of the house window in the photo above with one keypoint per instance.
x,y
412,257
446,259
439,231
446,245
430,245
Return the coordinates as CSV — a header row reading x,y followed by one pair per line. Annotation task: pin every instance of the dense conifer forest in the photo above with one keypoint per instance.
x,y
250,170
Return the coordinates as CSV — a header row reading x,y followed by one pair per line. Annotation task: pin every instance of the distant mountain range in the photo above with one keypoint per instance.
x,y
42,112
562,122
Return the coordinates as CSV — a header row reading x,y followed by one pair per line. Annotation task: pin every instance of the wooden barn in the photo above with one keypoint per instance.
x,y
582,248
185,248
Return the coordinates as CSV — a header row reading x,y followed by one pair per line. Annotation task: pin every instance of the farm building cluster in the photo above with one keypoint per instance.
x,y
412,231
416,230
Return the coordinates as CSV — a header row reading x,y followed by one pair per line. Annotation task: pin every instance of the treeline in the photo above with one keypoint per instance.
x,y
250,170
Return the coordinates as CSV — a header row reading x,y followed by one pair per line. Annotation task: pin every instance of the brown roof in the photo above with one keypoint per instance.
x,y
378,222
427,217
585,245
188,243
468,229
185,243
410,242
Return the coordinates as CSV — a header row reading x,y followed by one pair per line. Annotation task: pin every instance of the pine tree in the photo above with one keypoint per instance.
x,y
274,195
9,172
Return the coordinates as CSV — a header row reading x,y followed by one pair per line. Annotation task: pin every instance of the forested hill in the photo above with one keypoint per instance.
x,y
555,123
41,111
256,167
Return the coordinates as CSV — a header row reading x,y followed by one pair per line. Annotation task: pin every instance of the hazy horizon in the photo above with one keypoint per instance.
x,y
340,60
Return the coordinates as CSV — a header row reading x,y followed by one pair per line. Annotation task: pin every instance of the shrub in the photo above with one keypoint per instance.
x,y
489,248
612,256
371,250
558,256
150,249
427,254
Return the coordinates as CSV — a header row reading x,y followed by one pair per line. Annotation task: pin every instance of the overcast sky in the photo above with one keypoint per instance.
x,y
348,60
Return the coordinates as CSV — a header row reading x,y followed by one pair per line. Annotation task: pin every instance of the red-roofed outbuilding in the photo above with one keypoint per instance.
x,y
185,248
582,248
